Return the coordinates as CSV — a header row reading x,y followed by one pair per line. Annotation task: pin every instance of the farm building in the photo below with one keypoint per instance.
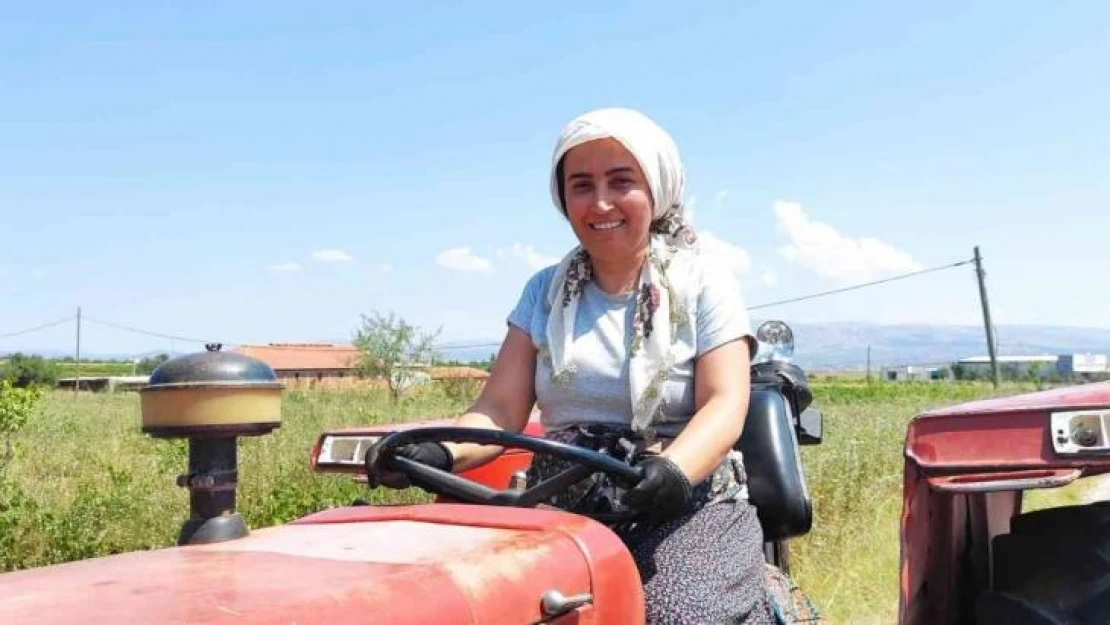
x,y
325,364
909,372
332,365
108,384
1070,364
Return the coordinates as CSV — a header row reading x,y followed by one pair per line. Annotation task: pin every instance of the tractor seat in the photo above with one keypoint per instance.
x,y
776,482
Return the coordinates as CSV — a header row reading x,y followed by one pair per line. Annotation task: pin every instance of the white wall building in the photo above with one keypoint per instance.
x,y
908,372
1069,364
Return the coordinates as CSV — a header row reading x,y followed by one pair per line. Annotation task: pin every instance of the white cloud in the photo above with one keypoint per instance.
x,y
331,256
732,256
462,259
821,248
527,253
286,267
769,278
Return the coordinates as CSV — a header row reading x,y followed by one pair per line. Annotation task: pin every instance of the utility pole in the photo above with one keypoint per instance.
x,y
77,370
981,275
869,364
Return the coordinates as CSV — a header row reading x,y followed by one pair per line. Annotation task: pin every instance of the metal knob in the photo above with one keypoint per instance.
x,y
555,603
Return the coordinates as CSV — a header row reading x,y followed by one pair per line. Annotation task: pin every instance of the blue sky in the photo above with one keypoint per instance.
x,y
253,172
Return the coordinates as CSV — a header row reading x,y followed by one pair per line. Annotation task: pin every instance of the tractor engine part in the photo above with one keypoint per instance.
x,y
211,398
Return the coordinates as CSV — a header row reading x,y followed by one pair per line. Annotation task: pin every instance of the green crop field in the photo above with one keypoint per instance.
x,y
69,369
93,369
85,482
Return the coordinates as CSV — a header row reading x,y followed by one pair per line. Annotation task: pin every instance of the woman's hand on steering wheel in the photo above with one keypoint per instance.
x,y
432,453
663,493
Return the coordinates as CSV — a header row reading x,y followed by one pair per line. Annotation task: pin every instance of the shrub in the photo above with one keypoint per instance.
x,y
16,407
24,371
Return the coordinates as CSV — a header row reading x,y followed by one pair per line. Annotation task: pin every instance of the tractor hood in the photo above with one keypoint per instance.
x,y
442,563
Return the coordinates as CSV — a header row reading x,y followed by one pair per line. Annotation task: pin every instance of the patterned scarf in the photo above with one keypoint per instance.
x,y
660,292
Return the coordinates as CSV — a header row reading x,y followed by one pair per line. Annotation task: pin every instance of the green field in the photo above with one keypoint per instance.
x,y
94,369
68,369
85,482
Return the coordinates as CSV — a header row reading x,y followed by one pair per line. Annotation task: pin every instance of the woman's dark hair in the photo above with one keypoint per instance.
x,y
562,191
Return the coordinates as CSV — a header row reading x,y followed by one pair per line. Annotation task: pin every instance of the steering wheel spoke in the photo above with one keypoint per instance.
x,y
447,484
554,485
584,463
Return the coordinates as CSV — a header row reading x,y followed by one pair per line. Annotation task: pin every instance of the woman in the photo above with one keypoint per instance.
x,y
635,343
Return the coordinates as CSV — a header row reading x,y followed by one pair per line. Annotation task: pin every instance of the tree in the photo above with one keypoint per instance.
x,y
24,371
150,363
16,407
390,347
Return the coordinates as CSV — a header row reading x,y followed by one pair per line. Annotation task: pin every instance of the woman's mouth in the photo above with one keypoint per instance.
x,y
607,225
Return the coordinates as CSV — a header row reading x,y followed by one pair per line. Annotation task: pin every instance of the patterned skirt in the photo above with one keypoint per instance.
x,y
706,565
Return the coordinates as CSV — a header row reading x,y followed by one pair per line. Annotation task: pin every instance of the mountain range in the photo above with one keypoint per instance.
x,y
844,346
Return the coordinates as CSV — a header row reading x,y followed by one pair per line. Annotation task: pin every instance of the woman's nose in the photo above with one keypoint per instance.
x,y
603,204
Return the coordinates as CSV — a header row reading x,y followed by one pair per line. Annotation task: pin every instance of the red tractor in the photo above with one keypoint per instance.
x,y
488,550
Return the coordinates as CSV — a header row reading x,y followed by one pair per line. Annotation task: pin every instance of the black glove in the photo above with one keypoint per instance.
x,y
432,453
663,492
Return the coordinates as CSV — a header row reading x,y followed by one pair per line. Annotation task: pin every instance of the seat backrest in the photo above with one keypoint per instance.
x,y
776,482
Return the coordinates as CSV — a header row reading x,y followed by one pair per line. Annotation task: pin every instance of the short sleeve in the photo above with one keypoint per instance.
x,y
530,297
722,314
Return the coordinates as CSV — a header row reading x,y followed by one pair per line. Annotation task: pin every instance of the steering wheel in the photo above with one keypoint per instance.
x,y
586,462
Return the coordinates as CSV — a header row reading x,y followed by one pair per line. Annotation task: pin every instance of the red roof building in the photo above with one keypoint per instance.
x,y
332,365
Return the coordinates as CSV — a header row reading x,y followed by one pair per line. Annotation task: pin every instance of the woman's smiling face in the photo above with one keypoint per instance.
x,y
607,199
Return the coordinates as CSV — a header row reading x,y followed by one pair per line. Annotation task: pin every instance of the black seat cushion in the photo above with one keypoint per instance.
x,y
999,608
776,482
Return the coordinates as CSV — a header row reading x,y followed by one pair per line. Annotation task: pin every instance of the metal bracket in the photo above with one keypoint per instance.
x,y
209,480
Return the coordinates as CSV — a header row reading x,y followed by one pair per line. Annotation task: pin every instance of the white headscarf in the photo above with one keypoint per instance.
x,y
660,300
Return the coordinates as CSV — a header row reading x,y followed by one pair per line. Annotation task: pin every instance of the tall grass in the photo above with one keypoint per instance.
x,y
848,563
85,481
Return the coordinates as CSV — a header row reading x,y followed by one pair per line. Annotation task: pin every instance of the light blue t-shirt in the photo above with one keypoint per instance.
x,y
599,390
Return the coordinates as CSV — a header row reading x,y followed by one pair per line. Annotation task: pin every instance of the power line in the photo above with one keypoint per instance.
x,y
860,286
37,328
309,345
468,345
146,332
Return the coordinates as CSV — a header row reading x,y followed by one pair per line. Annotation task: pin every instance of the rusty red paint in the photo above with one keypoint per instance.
x,y
190,586
405,564
949,515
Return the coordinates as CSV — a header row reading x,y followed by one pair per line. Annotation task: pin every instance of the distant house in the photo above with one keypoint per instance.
x,y
909,372
307,364
333,365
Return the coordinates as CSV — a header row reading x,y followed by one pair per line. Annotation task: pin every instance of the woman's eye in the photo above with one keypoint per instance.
x,y
581,187
622,183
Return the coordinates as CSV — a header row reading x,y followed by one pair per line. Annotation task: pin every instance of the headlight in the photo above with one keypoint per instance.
x,y
339,450
776,342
